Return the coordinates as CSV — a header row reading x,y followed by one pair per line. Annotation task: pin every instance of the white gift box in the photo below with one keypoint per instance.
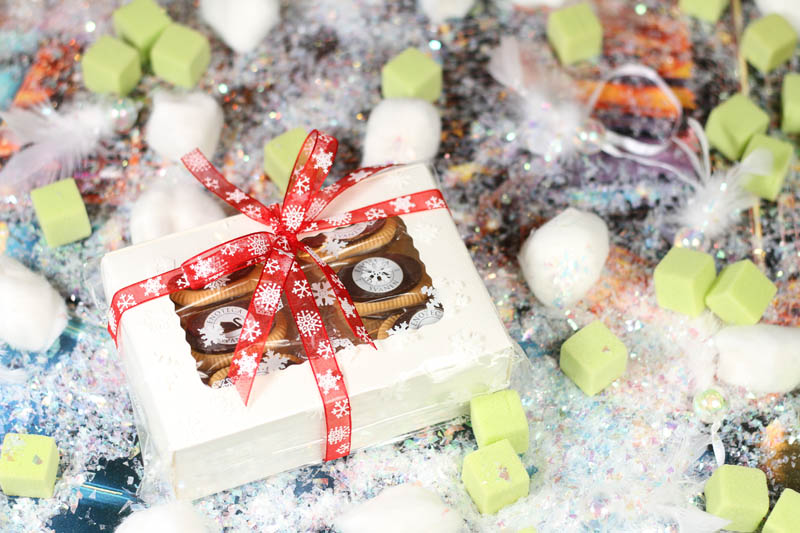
x,y
207,440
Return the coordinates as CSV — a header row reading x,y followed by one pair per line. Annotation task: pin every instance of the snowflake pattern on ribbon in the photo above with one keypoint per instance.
x,y
325,349
300,289
308,322
434,202
359,175
339,220
323,160
292,216
125,301
402,204
257,245
251,330
236,196
195,162
153,286
183,282
347,307
338,434
268,298
375,214
230,248
328,381
271,266
341,408
253,211
301,184
204,268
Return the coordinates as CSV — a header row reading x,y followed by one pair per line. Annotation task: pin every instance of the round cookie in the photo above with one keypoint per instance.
x,y
360,238
215,330
381,283
229,286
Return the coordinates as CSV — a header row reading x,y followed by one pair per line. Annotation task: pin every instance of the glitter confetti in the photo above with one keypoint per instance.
x,y
623,460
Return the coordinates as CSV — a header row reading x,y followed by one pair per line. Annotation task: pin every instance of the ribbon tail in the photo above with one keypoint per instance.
x,y
322,359
258,322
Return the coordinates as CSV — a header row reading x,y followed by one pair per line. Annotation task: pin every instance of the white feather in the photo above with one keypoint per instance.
x,y
53,144
691,519
550,112
717,201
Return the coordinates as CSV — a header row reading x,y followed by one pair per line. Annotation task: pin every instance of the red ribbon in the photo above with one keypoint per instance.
x,y
277,247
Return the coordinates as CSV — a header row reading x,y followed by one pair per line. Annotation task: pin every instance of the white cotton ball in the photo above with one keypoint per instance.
x,y
402,130
441,10
564,257
32,312
179,123
242,24
762,358
171,206
788,9
175,517
399,510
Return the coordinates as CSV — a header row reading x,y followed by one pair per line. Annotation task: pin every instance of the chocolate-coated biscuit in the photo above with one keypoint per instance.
x,y
360,238
215,329
231,285
382,282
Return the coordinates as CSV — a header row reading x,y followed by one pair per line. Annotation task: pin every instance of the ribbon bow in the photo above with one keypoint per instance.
x,y
277,248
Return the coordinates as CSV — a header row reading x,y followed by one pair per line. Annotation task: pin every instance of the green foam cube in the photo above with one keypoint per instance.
x,y
709,10
412,74
140,23
61,212
499,416
768,42
180,55
769,186
739,494
593,358
280,154
575,33
28,465
733,123
740,294
111,66
682,280
494,477
785,516
790,103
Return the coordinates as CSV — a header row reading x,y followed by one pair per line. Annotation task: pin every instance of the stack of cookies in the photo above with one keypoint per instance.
x,y
378,265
